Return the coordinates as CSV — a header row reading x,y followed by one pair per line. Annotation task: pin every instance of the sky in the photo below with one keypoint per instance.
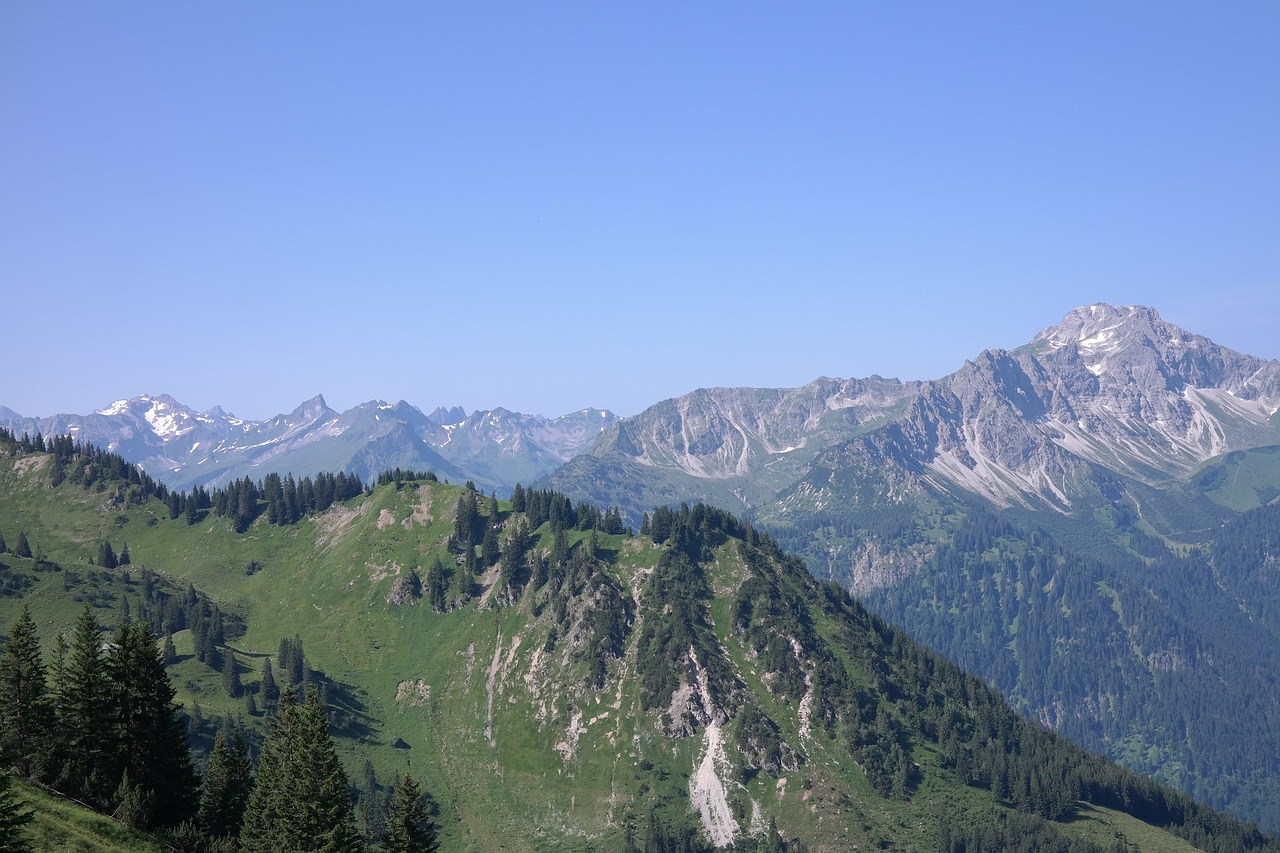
x,y
549,206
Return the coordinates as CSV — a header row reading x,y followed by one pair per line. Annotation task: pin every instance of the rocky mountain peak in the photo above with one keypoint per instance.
x,y
446,417
309,410
1099,330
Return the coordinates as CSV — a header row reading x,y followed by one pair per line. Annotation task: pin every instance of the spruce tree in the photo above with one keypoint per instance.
x,y
147,730
231,675
13,818
106,555
267,688
409,825
466,520
82,701
228,779
26,708
23,548
300,800
489,549
435,587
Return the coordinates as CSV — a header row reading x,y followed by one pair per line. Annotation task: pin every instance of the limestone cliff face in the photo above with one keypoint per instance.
x,y
1108,392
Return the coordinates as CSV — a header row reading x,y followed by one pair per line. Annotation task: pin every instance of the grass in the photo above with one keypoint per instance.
x,y
66,826
519,753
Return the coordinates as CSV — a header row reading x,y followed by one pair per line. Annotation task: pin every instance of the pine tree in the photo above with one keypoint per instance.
x,y
466,520
435,586
106,556
82,699
26,708
170,651
228,779
409,825
231,675
267,686
13,817
464,579
147,730
300,801
489,549
23,548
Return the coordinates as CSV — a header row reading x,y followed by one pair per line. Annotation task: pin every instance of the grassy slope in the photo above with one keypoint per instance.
x,y
519,753
65,826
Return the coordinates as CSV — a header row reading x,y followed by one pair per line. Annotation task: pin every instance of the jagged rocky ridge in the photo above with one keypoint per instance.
x,y
183,448
1109,394
1114,441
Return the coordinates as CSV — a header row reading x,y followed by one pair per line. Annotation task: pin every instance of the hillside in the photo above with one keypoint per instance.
x,y
69,828
560,686
1076,485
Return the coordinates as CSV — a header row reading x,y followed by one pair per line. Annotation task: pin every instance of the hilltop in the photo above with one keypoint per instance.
x,y
560,683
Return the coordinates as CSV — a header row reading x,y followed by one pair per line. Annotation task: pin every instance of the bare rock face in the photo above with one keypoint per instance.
x,y
1108,392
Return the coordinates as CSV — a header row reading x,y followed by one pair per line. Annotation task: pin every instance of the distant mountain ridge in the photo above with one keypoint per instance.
x,y
1066,518
184,448
1107,393
689,688
1056,508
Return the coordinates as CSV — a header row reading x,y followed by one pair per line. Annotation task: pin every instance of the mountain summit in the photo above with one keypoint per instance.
x,y
1107,392
184,448
1043,515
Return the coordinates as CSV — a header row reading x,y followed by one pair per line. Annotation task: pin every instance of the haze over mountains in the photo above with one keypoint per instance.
x,y
1107,395
184,448
1087,521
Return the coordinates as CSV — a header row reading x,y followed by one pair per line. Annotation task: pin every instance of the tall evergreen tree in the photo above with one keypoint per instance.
x,y
106,555
300,800
267,686
466,520
409,825
489,548
228,779
26,708
23,548
147,730
231,675
435,587
13,818
82,700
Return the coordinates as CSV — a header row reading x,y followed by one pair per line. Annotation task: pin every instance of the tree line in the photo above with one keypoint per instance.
x,y
100,725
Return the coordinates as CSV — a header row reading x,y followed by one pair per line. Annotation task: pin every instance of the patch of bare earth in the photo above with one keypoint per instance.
x,y
422,512
331,524
416,692
386,518
378,573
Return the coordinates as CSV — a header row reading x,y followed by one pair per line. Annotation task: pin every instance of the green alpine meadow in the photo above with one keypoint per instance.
x,y
418,665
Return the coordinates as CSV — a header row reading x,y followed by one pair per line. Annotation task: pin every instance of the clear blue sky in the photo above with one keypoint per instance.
x,y
547,206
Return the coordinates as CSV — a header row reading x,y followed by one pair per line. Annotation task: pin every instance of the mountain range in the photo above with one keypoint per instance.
x,y
184,448
1111,401
556,684
1087,521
